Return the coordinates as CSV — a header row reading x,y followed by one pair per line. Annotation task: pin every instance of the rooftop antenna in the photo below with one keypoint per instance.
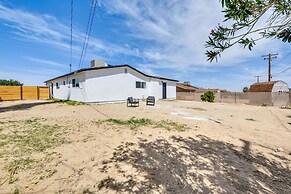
x,y
258,78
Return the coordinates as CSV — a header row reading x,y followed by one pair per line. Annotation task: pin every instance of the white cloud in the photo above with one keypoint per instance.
x,y
46,62
48,30
178,31
167,36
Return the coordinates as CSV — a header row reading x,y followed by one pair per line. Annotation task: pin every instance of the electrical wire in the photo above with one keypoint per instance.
x,y
282,59
282,71
88,28
71,42
89,33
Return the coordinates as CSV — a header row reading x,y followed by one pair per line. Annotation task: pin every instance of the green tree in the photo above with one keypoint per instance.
x,y
244,16
245,89
11,82
208,97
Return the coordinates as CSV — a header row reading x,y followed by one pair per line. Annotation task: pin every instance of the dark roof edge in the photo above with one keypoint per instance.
x,y
110,67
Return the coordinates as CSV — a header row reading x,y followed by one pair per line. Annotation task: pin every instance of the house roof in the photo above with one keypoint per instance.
x,y
186,87
262,86
110,67
201,90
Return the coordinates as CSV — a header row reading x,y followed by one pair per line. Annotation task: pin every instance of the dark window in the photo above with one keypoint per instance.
x,y
140,84
57,85
64,82
75,83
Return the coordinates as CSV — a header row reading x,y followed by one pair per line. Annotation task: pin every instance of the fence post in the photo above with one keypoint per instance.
x,y
235,97
21,93
37,91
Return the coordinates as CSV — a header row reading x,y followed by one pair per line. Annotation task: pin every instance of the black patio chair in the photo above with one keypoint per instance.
x,y
151,100
132,102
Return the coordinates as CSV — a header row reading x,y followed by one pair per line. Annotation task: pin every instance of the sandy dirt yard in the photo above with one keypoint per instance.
x,y
173,147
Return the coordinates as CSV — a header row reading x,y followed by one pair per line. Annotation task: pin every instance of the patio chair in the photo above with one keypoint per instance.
x,y
151,100
132,102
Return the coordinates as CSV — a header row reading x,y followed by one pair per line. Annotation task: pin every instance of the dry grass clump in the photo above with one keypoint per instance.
x,y
135,123
68,102
19,140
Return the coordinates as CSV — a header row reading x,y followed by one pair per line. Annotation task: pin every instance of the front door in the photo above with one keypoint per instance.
x,y
164,90
52,90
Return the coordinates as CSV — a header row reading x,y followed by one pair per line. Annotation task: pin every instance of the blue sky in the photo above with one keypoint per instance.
x,y
164,38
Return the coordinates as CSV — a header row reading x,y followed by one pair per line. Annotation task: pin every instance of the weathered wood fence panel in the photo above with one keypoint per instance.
x,y
44,92
29,93
10,93
24,92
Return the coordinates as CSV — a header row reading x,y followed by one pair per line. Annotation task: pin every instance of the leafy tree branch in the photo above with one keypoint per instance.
x,y
244,16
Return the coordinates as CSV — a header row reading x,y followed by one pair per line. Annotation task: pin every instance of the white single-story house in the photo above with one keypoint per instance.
x,y
106,83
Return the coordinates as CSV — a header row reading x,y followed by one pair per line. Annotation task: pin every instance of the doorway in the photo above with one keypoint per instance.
x,y
164,90
52,90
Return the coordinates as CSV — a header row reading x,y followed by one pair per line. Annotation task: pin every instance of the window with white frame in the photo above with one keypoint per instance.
x,y
57,85
64,82
140,84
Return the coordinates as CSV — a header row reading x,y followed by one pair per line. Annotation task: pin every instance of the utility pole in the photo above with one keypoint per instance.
x,y
270,57
258,78
70,68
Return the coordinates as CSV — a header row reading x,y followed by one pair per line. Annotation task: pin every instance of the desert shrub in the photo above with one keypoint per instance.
x,y
245,89
208,97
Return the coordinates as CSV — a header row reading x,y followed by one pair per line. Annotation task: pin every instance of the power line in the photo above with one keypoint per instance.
x,y
282,68
89,33
71,48
89,25
282,71
85,38
282,59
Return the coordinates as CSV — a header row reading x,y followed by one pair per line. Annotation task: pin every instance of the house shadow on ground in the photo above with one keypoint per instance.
x,y
188,165
23,106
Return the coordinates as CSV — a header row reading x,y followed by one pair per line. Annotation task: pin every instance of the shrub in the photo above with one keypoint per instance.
x,y
245,89
208,97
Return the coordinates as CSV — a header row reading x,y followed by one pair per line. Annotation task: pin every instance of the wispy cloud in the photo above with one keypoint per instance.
x,y
46,62
34,26
177,31
164,38
48,30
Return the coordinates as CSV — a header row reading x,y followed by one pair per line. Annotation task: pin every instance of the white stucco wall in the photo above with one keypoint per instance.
x,y
171,90
68,92
280,87
112,84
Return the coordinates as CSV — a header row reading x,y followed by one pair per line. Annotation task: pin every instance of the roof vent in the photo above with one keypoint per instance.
x,y
98,63
187,83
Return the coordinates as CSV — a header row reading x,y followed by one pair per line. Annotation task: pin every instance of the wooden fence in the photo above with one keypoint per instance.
x,y
24,93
